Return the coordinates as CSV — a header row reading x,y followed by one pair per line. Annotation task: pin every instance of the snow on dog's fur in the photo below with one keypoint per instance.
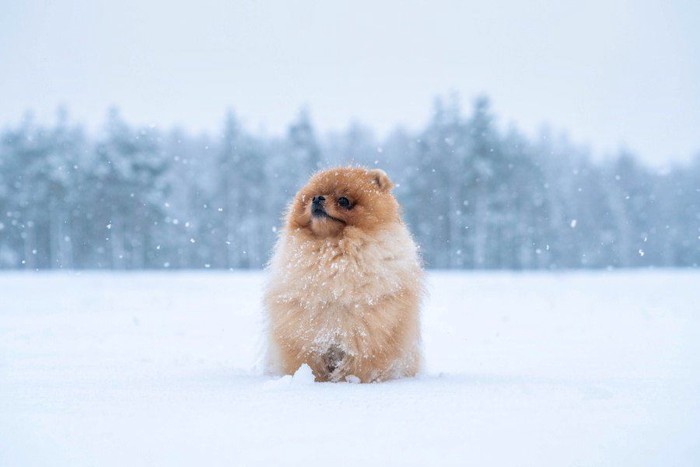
x,y
345,282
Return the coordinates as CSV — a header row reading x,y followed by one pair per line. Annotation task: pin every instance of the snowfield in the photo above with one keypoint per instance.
x,y
532,369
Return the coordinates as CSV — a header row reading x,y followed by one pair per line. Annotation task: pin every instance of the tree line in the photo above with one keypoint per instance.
x,y
475,195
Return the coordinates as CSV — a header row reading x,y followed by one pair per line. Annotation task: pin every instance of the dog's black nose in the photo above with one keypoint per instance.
x,y
317,206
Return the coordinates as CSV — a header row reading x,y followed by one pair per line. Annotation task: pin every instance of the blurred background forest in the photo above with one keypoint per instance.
x,y
475,195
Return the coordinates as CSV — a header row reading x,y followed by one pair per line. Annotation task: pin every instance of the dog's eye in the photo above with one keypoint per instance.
x,y
343,202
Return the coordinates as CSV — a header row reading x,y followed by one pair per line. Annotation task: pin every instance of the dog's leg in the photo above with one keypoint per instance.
x,y
333,360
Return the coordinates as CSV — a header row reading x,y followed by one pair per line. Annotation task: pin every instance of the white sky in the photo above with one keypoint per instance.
x,y
610,72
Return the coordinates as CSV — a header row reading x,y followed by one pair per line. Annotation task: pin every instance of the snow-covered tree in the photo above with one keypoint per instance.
x,y
475,195
129,193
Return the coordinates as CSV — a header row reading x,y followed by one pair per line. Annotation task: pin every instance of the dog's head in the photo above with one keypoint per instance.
x,y
350,196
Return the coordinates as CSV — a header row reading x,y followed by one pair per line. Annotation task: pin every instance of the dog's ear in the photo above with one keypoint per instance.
x,y
381,179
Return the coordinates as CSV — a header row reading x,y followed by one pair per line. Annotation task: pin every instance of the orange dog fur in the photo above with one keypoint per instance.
x,y
345,282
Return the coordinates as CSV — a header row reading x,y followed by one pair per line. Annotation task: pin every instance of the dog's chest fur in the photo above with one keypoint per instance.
x,y
344,274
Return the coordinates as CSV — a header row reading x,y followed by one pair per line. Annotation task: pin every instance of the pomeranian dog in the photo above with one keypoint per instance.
x,y
345,282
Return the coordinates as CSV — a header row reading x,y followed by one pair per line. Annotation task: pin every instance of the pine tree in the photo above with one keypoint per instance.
x,y
242,194
305,152
129,184
30,177
485,197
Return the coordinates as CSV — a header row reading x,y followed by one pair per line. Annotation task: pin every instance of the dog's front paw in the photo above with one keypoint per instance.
x,y
333,359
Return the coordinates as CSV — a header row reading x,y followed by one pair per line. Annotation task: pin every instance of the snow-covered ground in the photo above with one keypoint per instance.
x,y
521,369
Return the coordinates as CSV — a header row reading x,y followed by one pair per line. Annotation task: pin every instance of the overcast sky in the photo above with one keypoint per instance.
x,y
611,72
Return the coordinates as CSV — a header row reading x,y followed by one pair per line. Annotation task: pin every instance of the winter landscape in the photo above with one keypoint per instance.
x,y
545,158
520,369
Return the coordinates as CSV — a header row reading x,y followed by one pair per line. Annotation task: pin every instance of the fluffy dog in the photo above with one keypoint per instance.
x,y
345,282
